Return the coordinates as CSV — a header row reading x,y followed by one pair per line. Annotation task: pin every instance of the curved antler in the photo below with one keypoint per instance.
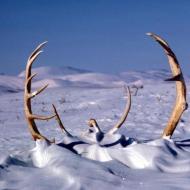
x,y
125,113
28,95
60,123
180,103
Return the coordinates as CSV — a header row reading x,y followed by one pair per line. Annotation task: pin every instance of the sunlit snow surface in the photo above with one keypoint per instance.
x,y
135,158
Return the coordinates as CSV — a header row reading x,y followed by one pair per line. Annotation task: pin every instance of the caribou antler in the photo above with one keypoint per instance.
x,y
125,113
28,95
93,123
180,103
60,123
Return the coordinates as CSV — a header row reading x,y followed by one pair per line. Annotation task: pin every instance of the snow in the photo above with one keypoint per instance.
x,y
54,72
150,75
10,84
134,158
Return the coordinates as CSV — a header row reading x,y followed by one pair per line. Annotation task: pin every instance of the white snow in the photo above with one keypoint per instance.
x,y
10,84
134,158
54,72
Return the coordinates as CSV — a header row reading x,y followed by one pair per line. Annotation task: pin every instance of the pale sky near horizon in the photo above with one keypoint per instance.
x,y
98,35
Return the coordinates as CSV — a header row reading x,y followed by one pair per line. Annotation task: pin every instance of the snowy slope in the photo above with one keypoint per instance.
x,y
73,77
146,76
136,158
68,76
10,84
54,72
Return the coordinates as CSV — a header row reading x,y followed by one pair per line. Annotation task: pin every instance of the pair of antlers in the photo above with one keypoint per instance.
x,y
179,108
28,95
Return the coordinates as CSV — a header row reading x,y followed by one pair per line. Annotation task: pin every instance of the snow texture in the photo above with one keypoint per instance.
x,y
134,158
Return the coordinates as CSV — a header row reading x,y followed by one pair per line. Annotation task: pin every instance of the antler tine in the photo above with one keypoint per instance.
x,y
180,103
40,117
93,123
29,64
35,93
28,96
39,47
30,78
60,122
32,58
125,113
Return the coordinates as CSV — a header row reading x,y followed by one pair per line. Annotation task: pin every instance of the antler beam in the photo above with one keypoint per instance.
x,y
28,95
125,113
180,103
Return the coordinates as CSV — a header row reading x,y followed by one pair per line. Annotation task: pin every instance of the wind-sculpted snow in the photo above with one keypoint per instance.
x,y
51,166
54,167
162,155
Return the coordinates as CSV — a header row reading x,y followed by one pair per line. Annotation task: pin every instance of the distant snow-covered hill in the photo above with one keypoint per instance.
x,y
69,76
10,83
150,75
49,72
60,77
104,80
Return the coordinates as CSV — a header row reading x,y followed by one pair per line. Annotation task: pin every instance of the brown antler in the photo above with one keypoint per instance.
x,y
125,113
180,103
57,117
28,95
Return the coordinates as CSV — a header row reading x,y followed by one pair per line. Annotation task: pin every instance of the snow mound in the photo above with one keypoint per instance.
x,y
52,166
162,155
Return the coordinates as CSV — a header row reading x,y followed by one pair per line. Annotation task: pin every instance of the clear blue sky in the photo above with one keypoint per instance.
x,y
99,35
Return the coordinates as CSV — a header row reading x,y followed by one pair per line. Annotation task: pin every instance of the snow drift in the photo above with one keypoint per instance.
x,y
53,166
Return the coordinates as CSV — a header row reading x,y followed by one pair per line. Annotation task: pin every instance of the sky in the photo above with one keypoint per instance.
x,y
100,35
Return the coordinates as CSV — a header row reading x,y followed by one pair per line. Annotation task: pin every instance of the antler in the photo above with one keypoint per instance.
x,y
28,95
57,117
125,113
93,123
180,103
